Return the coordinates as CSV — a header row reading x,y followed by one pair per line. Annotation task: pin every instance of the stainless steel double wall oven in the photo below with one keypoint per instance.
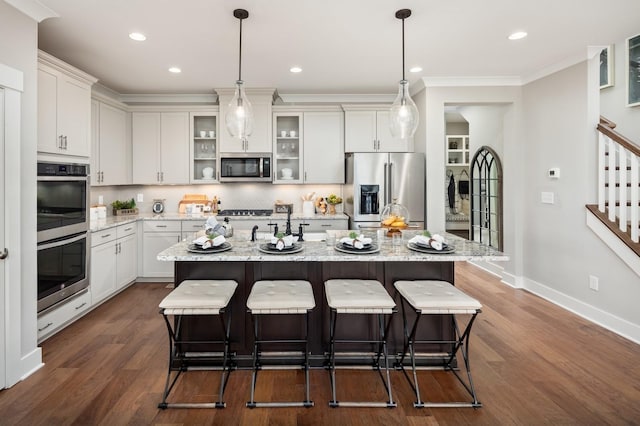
x,y
63,231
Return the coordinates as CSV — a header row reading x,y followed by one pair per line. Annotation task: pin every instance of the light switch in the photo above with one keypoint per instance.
x,y
100,200
547,197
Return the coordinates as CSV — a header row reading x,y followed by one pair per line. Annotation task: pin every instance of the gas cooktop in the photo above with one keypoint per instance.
x,y
244,212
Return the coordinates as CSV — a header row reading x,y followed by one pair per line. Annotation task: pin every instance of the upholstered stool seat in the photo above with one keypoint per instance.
x,y
280,297
431,297
197,297
365,297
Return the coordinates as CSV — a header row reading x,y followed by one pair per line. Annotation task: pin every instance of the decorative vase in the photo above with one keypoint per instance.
x,y
332,209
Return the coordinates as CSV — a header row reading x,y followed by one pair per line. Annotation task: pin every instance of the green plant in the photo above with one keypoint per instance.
x,y
333,199
280,235
353,235
120,205
426,234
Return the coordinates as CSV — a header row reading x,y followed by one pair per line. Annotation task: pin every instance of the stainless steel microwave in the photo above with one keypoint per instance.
x,y
245,167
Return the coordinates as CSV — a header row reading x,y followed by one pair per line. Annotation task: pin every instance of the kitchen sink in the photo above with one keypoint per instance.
x,y
307,236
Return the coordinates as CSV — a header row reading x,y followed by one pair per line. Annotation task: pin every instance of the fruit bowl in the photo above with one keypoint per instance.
x,y
394,217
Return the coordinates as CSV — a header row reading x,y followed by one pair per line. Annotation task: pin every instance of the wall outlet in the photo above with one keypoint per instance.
x,y
140,198
593,283
100,199
547,197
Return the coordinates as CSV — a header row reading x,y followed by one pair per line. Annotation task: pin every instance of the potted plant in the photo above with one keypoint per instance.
x,y
332,200
124,207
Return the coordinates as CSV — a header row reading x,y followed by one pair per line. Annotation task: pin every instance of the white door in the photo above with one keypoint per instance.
x,y
2,245
127,260
323,138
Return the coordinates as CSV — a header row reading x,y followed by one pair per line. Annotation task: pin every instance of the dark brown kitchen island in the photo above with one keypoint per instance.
x,y
316,263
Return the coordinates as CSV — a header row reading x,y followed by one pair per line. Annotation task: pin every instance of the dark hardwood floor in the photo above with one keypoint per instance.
x,y
533,363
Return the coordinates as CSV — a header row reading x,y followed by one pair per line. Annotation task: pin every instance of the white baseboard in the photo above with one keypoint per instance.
x,y
620,326
31,362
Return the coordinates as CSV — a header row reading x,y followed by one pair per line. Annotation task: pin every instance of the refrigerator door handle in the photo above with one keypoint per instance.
x,y
390,180
386,183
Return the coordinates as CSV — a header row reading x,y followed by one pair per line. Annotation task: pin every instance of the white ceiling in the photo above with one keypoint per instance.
x,y
343,46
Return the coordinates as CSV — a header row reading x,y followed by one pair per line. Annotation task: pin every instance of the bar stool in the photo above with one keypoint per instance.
x,y
368,297
197,297
282,297
429,297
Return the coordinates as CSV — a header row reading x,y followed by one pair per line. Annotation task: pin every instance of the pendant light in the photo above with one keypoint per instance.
x,y
403,119
239,116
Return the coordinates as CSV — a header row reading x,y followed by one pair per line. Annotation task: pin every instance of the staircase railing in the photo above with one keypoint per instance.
x,y
619,179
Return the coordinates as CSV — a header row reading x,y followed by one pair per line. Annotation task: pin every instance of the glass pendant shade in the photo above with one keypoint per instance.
x,y
239,116
403,117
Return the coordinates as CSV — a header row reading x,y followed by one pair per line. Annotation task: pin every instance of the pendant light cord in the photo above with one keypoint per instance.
x,y
240,54
403,78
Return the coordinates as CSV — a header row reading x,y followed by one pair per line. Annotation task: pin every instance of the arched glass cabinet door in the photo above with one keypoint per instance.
x,y
486,198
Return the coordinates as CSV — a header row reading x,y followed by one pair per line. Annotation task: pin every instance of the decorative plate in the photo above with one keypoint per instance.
x,y
368,249
446,249
217,249
271,248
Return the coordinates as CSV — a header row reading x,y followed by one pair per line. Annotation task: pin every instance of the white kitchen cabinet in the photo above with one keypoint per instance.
x,y
457,150
157,236
56,319
260,139
203,147
113,260
287,147
160,142
315,154
320,225
64,108
127,266
103,265
323,147
110,147
368,131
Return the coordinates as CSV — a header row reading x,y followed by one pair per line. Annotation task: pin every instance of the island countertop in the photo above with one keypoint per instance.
x,y
244,250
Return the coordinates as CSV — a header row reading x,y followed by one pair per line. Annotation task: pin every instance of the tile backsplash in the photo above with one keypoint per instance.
x,y
232,196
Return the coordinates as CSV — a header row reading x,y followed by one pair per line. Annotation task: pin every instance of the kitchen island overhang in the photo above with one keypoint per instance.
x,y
316,263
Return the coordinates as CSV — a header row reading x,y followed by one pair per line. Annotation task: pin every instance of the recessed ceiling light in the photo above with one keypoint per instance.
x,y
415,69
175,70
295,69
517,35
137,36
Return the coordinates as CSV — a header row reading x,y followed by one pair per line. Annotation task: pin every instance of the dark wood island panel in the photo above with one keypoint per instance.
x,y
246,273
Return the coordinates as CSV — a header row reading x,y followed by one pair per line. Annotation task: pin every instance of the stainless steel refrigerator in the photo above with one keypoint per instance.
x,y
375,179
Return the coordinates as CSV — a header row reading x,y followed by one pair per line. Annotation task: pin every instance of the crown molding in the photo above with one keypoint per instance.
x,y
33,9
559,66
335,98
150,99
55,63
11,78
425,82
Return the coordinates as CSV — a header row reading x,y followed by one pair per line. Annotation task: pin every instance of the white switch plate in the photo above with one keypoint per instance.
x,y
140,198
547,197
593,283
100,199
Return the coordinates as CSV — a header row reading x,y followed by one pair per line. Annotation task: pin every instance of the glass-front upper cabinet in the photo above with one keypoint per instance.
x,y
287,148
204,147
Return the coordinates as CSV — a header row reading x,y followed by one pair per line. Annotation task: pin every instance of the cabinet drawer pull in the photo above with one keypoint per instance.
x,y
46,326
161,226
79,307
105,236
326,224
128,229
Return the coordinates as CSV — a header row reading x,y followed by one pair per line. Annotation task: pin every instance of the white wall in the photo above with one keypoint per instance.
x,y
613,99
559,251
18,49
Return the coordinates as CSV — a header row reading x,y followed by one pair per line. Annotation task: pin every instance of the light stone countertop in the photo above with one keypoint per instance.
x,y
113,221
243,250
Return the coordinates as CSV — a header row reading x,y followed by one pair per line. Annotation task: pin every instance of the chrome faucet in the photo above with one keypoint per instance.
x,y
254,230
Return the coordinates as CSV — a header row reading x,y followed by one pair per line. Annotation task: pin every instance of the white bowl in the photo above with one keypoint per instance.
x,y
207,172
286,172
